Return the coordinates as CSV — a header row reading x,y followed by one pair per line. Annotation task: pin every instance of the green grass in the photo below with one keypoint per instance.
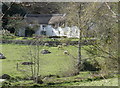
x,y
104,82
56,63
47,39
21,38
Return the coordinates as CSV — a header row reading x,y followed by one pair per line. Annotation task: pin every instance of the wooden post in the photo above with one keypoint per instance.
x,y
17,66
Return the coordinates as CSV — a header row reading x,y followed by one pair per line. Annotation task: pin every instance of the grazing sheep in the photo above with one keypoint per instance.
x,y
45,51
46,44
2,56
64,44
60,47
66,52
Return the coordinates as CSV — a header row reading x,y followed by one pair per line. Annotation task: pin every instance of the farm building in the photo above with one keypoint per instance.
x,y
48,25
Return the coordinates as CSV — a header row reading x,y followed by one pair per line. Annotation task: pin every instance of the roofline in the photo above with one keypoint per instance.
x,y
43,15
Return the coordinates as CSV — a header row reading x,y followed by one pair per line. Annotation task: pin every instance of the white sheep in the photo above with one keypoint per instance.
x,y
60,47
46,44
66,52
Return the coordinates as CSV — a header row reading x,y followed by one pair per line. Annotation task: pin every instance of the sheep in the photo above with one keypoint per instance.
x,y
64,44
46,44
66,52
60,47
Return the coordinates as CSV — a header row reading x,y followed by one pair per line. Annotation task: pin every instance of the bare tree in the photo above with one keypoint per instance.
x,y
95,20
31,66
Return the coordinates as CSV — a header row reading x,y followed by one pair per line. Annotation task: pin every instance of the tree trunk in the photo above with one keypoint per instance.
x,y
79,43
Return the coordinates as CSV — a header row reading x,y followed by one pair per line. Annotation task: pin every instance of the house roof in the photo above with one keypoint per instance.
x,y
45,18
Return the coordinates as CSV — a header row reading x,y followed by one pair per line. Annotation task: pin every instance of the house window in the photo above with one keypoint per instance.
x,y
43,32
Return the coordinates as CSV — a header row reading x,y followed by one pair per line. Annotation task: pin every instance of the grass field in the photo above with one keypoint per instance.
x,y
53,63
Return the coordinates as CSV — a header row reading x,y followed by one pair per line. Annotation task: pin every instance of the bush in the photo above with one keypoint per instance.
x,y
7,35
6,84
91,65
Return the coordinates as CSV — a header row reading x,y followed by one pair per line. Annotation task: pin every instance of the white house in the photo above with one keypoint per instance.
x,y
49,25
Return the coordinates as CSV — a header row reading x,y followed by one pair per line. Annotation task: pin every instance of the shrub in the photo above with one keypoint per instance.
x,y
7,35
91,65
6,84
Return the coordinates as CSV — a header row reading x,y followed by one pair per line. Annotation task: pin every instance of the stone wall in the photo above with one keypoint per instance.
x,y
51,43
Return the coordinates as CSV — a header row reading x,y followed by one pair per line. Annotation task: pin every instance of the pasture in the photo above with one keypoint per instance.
x,y
55,63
